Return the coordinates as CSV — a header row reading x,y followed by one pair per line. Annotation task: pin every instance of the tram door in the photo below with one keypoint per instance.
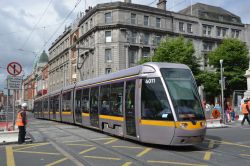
x,y
78,111
130,108
94,117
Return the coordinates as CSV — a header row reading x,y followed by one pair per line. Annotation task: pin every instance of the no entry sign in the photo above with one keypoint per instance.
x,y
14,68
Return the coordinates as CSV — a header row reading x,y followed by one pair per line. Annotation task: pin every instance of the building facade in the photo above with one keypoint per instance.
x,y
115,36
59,62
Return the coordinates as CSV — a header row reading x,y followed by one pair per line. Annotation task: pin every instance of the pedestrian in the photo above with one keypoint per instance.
x,y
228,111
244,108
21,122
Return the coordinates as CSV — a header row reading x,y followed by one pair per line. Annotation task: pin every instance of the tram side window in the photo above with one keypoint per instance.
x,y
94,94
105,100
66,103
116,99
78,100
130,95
51,104
45,105
85,100
56,103
154,102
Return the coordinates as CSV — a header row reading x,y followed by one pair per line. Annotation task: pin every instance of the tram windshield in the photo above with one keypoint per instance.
x,y
184,94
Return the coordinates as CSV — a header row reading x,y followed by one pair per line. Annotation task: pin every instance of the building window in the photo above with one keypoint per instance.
x,y
235,33
158,22
189,28
181,26
108,55
91,23
86,27
108,70
108,36
108,18
132,57
146,20
206,30
221,32
207,46
132,37
146,38
157,40
133,18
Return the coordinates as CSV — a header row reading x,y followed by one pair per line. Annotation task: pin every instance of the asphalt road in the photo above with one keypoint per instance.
x,y
66,145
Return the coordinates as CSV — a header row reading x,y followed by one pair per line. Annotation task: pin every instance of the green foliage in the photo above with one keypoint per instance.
x,y
177,50
235,62
210,81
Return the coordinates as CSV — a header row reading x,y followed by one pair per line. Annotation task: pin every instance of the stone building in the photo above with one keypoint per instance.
x,y
116,35
59,61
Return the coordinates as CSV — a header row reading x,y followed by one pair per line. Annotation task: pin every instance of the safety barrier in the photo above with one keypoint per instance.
x,y
214,117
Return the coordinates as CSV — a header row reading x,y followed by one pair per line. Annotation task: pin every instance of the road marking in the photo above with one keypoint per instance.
x,y
104,158
230,143
128,147
208,154
174,163
74,141
245,154
105,138
57,162
87,150
79,145
111,141
34,152
30,146
127,164
10,156
143,152
66,154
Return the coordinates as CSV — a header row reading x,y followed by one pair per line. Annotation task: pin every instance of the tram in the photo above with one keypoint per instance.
x,y
154,103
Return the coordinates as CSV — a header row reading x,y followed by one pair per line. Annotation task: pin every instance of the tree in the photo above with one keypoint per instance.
x,y
177,50
235,62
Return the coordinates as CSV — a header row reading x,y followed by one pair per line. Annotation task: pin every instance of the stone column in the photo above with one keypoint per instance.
x,y
247,75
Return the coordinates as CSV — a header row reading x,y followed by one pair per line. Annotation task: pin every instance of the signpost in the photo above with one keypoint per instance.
x,y
14,68
14,82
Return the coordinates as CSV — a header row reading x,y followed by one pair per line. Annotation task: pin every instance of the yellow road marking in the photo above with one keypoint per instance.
x,y
104,158
174,163
57,162
230,143
10,156
30,146
74,141
143,152
111,141
245,154
127,164
128,147
208,154
79,145
87,150
34,152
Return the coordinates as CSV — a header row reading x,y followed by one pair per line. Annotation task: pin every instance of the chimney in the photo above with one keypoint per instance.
x,y
127,1
162,4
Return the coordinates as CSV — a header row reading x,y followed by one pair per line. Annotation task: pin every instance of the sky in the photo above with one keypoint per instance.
x,y
27,27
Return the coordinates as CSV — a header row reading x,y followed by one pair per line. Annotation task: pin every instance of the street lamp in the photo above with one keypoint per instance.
x,y
222,90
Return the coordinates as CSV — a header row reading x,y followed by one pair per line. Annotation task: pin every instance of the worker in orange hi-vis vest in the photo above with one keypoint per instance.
x,y
21,122
244,109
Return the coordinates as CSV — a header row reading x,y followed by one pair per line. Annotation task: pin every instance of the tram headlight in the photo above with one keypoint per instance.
x,y
183,125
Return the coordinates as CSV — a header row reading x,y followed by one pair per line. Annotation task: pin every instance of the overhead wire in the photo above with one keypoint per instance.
x,y
36,24
77,3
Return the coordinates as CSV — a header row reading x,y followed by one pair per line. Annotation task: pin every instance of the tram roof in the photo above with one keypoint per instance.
x,y
149,67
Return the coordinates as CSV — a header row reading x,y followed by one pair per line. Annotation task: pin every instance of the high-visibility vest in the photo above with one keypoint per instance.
x,y
244,108
19,119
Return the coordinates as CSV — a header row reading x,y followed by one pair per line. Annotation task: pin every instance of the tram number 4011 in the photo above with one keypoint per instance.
x,y
150,81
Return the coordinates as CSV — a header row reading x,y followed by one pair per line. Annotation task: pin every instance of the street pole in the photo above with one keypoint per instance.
x,y
222,90
13,105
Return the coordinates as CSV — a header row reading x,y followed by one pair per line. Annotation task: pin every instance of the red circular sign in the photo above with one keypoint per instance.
x,y
14,68
215,113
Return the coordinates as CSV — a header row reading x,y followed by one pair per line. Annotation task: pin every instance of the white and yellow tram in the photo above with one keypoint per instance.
x,y
154,103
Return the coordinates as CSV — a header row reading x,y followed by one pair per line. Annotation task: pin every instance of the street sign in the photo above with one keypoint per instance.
x,y
14,68
14,82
